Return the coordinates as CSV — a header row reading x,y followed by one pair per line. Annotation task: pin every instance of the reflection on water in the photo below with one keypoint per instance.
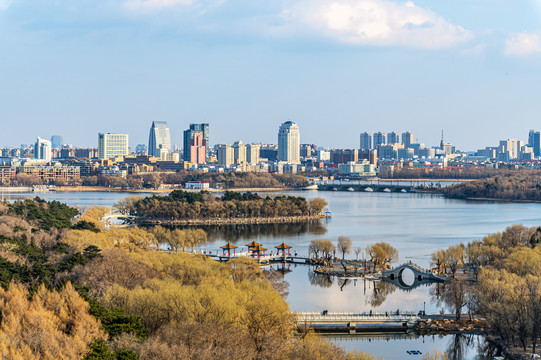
x,y
457,347
321,280
240,233
380,292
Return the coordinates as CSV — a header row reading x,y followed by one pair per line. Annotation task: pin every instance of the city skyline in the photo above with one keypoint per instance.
x,y
470,68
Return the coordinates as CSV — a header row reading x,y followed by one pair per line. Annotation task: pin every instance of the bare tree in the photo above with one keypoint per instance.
x,y
344,245
357,250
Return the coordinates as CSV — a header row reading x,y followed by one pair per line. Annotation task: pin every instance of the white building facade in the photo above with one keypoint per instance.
x,y
289,143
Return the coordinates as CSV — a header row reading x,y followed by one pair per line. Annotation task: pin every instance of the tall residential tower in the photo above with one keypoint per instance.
x,y
365,141
289,143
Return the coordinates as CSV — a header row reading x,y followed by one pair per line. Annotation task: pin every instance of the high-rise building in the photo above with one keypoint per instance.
x,y
42,149
379,139
197,148
188,136
57,141
239,152
289,143
510,149
407,138
141,149
534,142
252,153
159,138
269,152
112,145
366,141
225,154
393,138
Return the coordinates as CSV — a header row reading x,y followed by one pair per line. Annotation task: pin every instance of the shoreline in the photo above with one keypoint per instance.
x,y
218,222
495,200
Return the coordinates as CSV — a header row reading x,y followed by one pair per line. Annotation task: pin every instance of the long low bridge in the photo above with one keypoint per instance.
x,y
353,322
367,188
264,259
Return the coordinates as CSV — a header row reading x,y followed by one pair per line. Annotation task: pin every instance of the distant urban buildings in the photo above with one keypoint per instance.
x,y
365,141
534,142
289,143
42,149
407,139
379,139
112,145
393,138
188,136
197,149
57,141
159,139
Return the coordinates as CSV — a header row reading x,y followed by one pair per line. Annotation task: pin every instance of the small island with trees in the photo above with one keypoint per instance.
x,y
204,208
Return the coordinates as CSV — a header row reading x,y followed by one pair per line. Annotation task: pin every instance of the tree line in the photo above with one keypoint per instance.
x,y
524,186
186,205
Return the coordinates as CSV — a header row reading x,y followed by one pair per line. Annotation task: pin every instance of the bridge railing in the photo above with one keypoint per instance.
x,y
415,266
339,316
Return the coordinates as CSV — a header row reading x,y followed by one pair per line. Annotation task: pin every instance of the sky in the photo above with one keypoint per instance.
x,y
471,68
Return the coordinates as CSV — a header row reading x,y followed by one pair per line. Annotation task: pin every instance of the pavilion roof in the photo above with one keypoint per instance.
x,y
258,248
228,246
253,244
283,246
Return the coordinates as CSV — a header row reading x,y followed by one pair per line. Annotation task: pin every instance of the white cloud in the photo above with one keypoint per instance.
x,y
522,44
381,23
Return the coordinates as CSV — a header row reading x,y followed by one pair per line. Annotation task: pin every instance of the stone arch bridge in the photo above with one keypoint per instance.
x,y
420,276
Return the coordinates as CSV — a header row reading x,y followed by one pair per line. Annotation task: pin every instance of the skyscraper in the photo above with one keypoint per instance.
x,y
42,149
366,141
57,141
393,138
159,138
407,138
112,145
289,143
239,152
188,136
379,139
197,148
534,141
225,154
252,153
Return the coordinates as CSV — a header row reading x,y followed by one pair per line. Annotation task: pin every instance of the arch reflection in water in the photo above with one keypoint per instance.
x,y
375,291
457,347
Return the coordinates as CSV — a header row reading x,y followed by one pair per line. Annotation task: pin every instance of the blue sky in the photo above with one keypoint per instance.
x,y
336,67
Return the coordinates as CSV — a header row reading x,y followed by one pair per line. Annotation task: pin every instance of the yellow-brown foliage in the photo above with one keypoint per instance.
x,y
53,325
131,239
94,215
